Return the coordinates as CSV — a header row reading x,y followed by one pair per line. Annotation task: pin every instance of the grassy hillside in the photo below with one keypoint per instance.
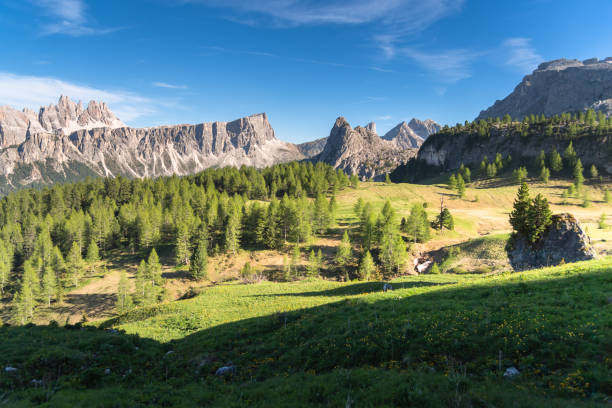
x,y
436,340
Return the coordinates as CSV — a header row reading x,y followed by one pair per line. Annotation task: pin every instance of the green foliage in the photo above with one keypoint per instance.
x,y
444,219
460,186
607,197
124,301
49,284
344,252
570,155
578,175
387,179
198,267
314,264
602,221
74,264
416,226
519,215
520,174
435,269
593,172
538,218
93,254
545,175
366,267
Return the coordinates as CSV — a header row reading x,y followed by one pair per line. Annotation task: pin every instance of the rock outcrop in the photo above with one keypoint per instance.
x,y
559,86
311,149
404,137
361,151
563,242
68,142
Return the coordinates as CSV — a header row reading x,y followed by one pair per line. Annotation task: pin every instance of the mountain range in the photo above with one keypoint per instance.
x,y
67,142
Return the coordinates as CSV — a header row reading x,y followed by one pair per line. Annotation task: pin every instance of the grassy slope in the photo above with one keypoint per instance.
x,y
434,341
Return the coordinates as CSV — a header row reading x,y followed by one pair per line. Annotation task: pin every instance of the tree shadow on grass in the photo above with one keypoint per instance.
x,y
450,329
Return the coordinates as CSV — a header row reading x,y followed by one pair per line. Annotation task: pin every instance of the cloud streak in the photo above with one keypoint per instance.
x,y
521,54
168,86
32,92
69,17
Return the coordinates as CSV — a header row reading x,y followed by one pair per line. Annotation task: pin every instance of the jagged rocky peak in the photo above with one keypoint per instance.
x,y
424,128
371,127
65,117
559,86
412,134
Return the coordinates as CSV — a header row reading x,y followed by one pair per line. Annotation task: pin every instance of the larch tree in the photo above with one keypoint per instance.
x,y
124,299
49,284
344,252
199,261
74,264
366,267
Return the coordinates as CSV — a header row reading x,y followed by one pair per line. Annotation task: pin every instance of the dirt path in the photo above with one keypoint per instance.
x,y
96,300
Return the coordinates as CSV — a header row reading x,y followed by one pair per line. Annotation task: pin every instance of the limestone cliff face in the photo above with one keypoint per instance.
x,y
50,151
361,151
448,151
559,86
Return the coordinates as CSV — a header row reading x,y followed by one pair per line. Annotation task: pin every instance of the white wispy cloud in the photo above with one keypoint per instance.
x,y
447,65
520,54
391,19
168,86
69,17
21,91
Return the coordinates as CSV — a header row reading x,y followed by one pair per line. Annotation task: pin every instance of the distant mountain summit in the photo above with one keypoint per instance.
x,y
65,117
361,151
413,134
557,87
66,142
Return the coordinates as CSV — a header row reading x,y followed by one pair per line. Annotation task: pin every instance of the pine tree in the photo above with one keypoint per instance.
x,y
181,244
199,261
366,267
93,254
519,215
520,174
154,268
593,171
556,164
545,175
570,155
538,217
296,257
24,301
6,264
313,265
74,264
124,300
460,186
578,175
344,252
417,225
452,182
49,284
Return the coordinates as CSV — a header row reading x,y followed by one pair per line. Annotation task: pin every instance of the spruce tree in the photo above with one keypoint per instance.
x,y
366,267
556,163
49,287
124,300
93,254
519,215
417,225
545,175
181,244
312,270
344,252
74,264
199,261
578,175
6,264
154,268
538,217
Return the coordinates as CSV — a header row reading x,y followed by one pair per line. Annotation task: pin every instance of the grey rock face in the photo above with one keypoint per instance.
x,y
424,128
564,241
404,137
559,86
66,117
105,150
362,152
449,151
311,149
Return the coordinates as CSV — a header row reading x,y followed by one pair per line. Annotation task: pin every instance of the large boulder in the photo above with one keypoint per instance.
x,y
563,242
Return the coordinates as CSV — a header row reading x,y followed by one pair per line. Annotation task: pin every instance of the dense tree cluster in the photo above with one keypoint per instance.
x,y
530,217
49,236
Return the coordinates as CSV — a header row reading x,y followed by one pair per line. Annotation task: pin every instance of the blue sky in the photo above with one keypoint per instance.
x,y
304,62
